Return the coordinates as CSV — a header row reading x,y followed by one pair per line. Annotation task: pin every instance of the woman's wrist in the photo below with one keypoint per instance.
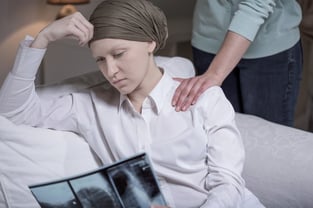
x,y
215,77
41,41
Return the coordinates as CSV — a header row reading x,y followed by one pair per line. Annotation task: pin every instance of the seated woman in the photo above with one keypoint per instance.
x,y
198,154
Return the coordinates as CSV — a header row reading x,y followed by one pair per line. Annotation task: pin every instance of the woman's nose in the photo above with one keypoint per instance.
x,y
112,69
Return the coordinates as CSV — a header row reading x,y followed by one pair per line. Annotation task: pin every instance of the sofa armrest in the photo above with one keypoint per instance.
x,y
279,162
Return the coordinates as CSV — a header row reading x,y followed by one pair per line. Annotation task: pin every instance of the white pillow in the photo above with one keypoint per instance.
x,y
33,155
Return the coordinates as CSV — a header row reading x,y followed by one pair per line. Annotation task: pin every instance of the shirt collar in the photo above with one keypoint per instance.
x,y
160,91
157,95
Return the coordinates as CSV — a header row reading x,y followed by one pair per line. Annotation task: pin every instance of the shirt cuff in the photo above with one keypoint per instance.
x,y
28,59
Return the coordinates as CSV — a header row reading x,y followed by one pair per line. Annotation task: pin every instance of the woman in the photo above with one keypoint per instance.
x,y
198,155
252,49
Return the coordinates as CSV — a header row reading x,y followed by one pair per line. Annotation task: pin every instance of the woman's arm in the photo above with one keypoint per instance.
x,y
224,62
225,152
73,26
250,16
18,98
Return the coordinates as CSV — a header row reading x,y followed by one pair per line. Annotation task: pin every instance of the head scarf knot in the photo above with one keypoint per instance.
x,y
135,20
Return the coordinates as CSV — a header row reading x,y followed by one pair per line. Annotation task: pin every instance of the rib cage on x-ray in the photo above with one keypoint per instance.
x,y
135,185
129,183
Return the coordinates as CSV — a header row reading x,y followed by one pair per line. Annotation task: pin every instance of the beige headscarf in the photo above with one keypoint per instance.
x,y
135,20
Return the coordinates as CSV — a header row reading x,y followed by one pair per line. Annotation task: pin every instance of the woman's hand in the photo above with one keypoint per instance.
x,y
230,53
190,90
74,26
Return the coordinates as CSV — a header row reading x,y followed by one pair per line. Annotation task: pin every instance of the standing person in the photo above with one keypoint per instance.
x,y
252,49
198,155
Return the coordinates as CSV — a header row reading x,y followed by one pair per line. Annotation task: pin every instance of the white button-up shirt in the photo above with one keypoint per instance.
x,y
197,155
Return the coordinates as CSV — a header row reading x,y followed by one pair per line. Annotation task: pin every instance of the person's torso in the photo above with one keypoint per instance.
x,y
176,142
212,19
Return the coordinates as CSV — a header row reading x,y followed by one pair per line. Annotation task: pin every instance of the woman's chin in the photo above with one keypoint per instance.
x,y
124,90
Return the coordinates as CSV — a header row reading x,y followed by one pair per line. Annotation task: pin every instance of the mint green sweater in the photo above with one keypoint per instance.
x,y
271,25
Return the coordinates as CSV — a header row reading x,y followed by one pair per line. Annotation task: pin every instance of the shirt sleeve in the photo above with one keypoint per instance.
x,y
18,87
20,103
225,153
249,17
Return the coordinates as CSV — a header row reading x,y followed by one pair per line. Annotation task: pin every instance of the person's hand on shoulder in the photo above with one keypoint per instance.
x,y
189,90
74,26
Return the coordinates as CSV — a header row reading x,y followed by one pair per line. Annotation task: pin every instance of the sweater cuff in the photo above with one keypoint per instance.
x,y
245,26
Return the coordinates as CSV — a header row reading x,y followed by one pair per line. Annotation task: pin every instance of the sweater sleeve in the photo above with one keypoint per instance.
x,y
250,16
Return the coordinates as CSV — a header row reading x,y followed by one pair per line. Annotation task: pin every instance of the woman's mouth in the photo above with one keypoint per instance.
x,y
117,82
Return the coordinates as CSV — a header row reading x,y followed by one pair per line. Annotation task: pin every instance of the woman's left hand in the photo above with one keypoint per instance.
x,y
189,90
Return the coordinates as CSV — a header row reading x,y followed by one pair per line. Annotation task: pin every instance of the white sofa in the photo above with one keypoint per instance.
x,y
279,162
279,159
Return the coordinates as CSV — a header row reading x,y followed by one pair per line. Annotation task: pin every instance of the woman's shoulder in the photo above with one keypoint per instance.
x,y
213,104
213,91
212,96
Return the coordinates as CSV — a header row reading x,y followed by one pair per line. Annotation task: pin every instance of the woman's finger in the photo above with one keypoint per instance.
x,y
188,92
178,91
88,27
194,93
82,32
182,92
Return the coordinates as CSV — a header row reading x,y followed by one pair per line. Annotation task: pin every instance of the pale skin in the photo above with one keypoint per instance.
x,y
129,67
230,53
74,26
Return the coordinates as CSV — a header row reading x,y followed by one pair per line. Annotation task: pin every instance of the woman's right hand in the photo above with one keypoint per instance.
x,y
74,26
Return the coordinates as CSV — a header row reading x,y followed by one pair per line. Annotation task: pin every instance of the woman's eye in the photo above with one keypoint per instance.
x,y
100,59
117,55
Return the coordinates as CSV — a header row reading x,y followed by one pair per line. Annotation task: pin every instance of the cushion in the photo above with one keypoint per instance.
x,y
33,155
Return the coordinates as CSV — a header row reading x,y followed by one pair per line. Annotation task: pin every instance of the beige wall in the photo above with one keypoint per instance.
x,y
21,17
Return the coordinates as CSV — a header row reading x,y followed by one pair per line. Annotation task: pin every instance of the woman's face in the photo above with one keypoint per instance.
x,y
125,64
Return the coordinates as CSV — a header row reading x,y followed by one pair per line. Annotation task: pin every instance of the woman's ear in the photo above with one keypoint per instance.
x,y
151,46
